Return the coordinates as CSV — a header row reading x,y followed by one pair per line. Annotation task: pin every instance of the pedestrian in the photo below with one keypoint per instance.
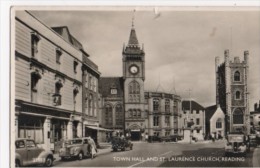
x,y
93,148
146,137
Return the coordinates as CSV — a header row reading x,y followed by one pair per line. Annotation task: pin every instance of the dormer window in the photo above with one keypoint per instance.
x,y
237,76
35,38
75,64
58,55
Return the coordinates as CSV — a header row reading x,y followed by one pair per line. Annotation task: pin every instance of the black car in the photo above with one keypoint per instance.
x,y
121,143
154,139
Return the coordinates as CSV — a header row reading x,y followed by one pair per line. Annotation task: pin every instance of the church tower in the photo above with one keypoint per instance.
x,y
232,92
134,76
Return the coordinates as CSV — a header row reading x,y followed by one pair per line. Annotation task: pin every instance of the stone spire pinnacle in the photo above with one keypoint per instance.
x,y
133,38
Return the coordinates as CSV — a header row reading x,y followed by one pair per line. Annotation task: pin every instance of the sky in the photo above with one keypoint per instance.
x,y
180,45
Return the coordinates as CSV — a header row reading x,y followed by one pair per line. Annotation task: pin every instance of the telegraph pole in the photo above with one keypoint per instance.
x,y
189,90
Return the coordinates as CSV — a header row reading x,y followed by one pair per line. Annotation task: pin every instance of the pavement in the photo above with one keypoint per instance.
x,y
104,148
256,156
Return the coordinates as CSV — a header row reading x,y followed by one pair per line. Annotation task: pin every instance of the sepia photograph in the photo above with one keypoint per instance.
x,y
135,86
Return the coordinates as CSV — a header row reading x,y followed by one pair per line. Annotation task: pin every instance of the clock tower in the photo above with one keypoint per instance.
x,y
134,76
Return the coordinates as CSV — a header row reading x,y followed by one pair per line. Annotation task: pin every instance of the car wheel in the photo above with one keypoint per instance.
x,y
114,149
123,149
17,163
80,156
48,161
62,158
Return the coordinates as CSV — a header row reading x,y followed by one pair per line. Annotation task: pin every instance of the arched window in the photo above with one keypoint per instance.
x,y
219,123
237,76
238,95
134,92
108,115
119,114
238,117
155,104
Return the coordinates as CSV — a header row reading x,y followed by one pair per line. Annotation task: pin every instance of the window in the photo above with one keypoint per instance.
x,y
138,114
198,131
31,127
197,121
86,79
86,104
167,121
167,105
134,92
35,77
155,104
237,76
75,64
35,38
94,106
113,91
75,92
57,95
134,114
94,84
156,121
58,55
238,95
175,107
90,105
19,144
90,82
119,114
30,144
238,117
108,115
219,123
197,111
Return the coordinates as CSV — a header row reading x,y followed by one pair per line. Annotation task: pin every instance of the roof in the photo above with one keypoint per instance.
x,y
106,83
194,105
65,33
133,38
209,112
133,46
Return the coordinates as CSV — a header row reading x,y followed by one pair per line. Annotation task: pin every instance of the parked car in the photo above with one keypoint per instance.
x,y
166,139
252,140
121,143
236,144
76,148
154,139
176,138
28,153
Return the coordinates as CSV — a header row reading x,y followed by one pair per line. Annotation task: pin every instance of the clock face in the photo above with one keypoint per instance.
x,y
134,69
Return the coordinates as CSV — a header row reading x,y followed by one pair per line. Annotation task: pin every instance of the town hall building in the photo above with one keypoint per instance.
x,y
128,108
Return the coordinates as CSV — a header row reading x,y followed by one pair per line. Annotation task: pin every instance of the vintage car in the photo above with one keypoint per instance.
x,y
28,153
76,148
121,143
236,144
154,139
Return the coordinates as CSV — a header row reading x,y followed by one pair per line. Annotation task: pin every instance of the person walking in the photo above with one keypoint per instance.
x,y
93,148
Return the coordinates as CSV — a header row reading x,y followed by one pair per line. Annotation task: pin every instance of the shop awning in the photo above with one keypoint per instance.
x,y
98,128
